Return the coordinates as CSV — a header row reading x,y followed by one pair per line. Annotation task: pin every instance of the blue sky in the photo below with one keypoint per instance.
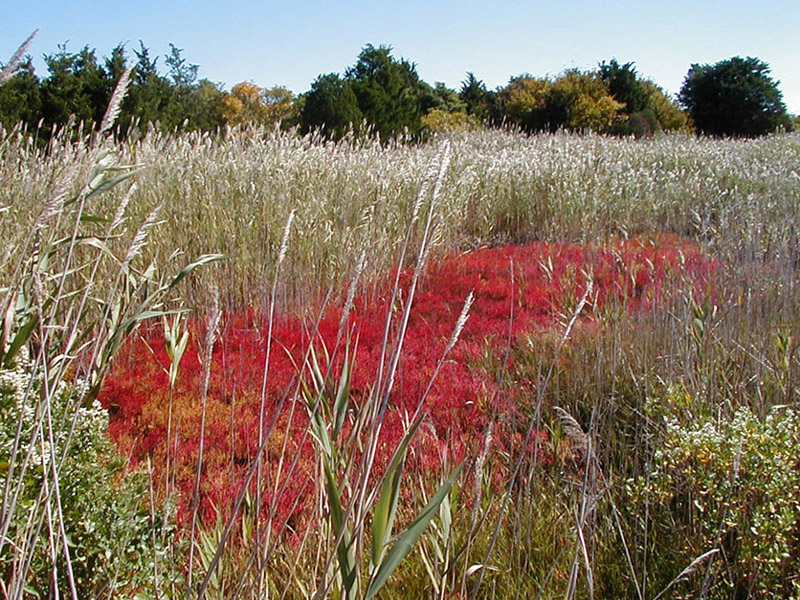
x,y
290,43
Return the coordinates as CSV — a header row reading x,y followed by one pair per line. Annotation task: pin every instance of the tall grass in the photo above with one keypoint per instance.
x,y
233,194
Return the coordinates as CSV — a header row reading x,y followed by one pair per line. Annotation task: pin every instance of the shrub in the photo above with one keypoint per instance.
x,y
734,97
731,483
107,523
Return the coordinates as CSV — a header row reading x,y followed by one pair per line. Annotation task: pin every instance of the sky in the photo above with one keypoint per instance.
x,y
290,43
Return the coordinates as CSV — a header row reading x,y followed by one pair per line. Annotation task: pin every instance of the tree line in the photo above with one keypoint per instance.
x,y
384,96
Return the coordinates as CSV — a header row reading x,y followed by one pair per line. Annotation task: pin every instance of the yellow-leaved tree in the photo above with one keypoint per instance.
x,y
586,101
249,104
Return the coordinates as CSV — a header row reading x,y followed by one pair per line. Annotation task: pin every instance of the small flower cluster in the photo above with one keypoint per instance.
x,y
20,402
103,509
733,483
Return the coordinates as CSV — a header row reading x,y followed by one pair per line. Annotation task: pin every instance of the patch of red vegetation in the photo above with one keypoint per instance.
x,y
517,290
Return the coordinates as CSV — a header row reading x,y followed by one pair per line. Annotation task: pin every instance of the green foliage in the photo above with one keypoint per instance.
x,y
624,85
190,104
669,114
476,97
331,107
77,85
730,483
525,102
106,518
327,403
389,92
442,120
734,97
639,117
383,92
446,99
20,98
585,101
575,100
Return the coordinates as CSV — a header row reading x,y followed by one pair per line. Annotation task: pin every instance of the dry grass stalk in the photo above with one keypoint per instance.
x,y
13,65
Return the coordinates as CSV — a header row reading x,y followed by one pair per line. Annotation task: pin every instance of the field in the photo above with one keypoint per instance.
x,y
487,366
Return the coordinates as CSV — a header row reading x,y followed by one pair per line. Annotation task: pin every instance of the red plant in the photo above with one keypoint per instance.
x,y
517,290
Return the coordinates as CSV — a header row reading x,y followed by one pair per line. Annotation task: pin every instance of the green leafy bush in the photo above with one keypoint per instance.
x,y
108,525
733,484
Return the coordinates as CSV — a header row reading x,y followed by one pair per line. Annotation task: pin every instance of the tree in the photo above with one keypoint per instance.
x,y
637,116
624,85
575,100
384,92
248,103
445,99
331,107
202,106
437,119
389,92
669,115
77,85
20,97
149,92
735,97
447,111
524,102
476,97
182,73
586,102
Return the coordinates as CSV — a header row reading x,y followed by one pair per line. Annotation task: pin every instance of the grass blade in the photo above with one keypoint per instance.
x,y
409,537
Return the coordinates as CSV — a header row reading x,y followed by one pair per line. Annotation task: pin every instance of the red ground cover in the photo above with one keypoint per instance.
x,y
547,282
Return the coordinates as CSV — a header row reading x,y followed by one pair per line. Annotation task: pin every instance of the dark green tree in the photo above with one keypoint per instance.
x,y
183,74
149,92
115,64
389,92
475,96
331,107
189,104
77,85
735,97
443,98
638,116
20,98
624,85
202,107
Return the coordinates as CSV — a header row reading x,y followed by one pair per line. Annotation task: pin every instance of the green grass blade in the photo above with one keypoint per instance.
x,y
344,551
405,542
20,338
203,260
386,507
342,393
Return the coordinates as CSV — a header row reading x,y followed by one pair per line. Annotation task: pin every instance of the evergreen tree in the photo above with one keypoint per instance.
x,y
331,107
734,97
389,92
77,85
638,116
20,98
624,85
445,99
149,93
475,96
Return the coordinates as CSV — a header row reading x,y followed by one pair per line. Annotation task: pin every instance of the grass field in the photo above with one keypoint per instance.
x,y
488,366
